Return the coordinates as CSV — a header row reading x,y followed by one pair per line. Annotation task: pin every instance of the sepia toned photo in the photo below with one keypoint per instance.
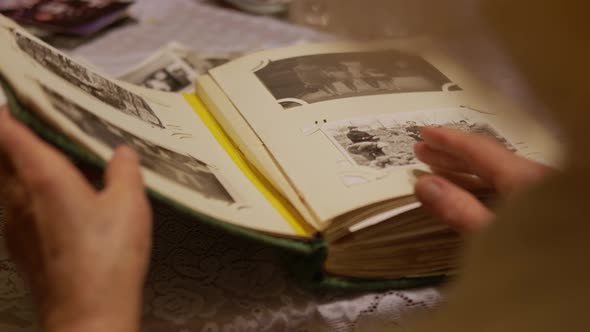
x,y
183,170
388,140
165,72
315,78
88,81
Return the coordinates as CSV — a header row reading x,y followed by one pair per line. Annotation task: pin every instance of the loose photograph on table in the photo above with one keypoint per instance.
x,y
388,140
201,62
174,68
163,71
182,169
88,81
315,78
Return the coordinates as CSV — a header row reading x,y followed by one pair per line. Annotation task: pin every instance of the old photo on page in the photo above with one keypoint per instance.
x,y
388,140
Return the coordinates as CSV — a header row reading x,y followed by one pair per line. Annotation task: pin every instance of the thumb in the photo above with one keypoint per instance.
x,y
451,204
123,174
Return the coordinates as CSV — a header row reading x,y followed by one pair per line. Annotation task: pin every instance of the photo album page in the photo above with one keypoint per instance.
x,y
180,158
341,119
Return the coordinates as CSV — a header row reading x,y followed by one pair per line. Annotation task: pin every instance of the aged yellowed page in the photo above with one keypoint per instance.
x,y
341,119
180,158
249,144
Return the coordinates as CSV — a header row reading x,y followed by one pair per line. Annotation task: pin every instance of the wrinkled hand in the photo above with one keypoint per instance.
x,y
464,163
85,253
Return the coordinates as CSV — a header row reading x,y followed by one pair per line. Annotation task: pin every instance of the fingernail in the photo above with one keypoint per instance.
x,y
429,190
126,152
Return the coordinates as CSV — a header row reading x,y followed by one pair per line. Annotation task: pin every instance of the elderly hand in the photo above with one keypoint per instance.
x,y
465,162
85,253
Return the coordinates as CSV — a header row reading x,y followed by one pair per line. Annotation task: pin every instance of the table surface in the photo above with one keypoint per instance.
x,y
202,279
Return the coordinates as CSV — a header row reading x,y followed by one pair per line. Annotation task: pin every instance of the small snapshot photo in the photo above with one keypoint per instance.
x,y
88,81
199,61
387,141
165,72
315,78
203,63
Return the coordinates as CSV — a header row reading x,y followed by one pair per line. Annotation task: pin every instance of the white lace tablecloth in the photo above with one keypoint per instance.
x,y
194,23
202,279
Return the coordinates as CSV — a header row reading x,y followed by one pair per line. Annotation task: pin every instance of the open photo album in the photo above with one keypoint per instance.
x,y
309,147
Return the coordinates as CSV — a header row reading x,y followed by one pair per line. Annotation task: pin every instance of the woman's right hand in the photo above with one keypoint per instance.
x,y
463,162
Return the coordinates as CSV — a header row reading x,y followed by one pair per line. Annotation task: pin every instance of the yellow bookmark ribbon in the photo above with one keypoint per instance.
x,y
260,182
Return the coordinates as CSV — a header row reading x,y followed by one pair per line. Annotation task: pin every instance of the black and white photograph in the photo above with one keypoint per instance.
x,y
181,169
387,141
202,63
199,60
174,68
163,71
93,84
315,78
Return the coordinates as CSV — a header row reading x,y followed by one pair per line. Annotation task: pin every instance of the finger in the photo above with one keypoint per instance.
x,y
466,181
440,159
42,169
123,173
485,157
451,204
125,193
